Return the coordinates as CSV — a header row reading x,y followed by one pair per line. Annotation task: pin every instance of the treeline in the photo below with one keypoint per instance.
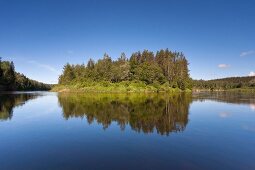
x,y
164,67
11,80
225,83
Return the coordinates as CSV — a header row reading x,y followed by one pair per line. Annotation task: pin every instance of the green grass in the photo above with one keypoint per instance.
x,y
243,90
122,87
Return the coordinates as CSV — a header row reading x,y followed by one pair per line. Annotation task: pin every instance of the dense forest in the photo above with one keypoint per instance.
x,y
11,80
144,68
225,83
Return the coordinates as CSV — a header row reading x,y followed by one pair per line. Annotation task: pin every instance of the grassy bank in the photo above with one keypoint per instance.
x,y
243,90
122,87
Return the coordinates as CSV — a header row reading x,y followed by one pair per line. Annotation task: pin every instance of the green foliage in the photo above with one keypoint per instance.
x,y
116,87
23,83
225,83
149,72
153,70
68,73
8,73
11,80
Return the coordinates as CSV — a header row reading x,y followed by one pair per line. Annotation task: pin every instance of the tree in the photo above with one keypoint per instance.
x,y
149,72
134,62
147,56
11,80
1,71
121,69
91,64
103,68
68,74
166,61
8,73
122,57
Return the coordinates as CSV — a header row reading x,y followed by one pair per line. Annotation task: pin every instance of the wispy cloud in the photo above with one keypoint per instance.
x,y
246,53
252,73
70,52
223,65
45,66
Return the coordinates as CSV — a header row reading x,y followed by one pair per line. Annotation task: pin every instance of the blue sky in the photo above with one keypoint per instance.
x,y
218,37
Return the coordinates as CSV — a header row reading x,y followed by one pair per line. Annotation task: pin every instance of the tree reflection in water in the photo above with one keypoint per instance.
x,y
144,113
9,101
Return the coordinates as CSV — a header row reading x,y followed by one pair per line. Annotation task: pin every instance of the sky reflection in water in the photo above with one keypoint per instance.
x,y
102,131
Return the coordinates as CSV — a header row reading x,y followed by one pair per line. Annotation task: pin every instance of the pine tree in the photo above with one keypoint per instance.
x,y
121,69
122,57
147,56
68,74
91,64
103,68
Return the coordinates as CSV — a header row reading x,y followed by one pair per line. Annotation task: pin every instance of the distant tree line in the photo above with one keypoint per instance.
x,y
11,80
164,67
225,83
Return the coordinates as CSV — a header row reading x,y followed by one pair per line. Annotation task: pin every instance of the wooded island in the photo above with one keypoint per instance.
x,y
142,72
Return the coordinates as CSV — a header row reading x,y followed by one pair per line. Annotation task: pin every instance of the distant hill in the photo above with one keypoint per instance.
x,y
12,80
225,83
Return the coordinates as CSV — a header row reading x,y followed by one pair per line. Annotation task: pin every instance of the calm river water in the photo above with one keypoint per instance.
x,y
44,130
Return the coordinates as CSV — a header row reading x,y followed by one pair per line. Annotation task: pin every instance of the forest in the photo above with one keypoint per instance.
x,y
165,69
247,82
12,80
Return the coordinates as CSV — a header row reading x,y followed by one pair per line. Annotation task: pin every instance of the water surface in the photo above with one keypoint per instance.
x,y
43,130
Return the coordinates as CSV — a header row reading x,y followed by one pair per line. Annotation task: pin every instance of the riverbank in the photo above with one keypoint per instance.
x,y
122,87
134,87
243,90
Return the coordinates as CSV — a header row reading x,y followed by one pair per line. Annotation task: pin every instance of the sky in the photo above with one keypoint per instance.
x,y
217,37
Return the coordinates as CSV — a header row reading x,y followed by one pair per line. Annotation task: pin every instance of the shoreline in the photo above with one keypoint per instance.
x,y
252,90
145,89
116,90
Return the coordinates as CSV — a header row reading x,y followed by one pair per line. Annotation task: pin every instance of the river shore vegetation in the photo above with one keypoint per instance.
x,y
141,72
243,84
11,80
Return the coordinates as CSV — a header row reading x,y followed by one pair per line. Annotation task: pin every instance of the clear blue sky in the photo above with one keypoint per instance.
x,y
40,36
